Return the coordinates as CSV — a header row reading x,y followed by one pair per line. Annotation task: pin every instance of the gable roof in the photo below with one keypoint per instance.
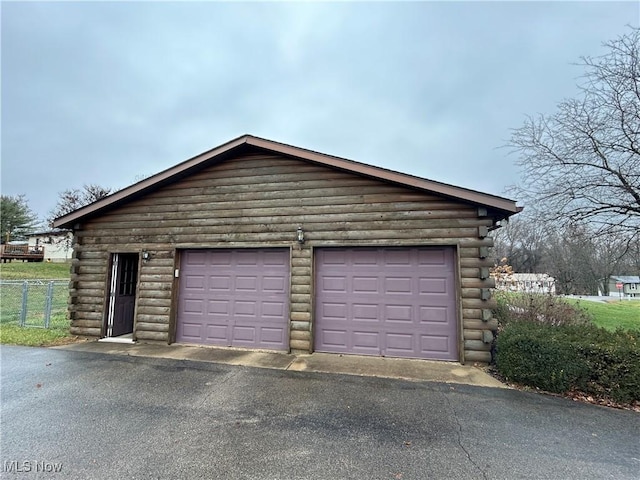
x,y
49,233
503,206
626,278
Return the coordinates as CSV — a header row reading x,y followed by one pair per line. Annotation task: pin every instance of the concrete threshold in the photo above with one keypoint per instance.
x,y
399,368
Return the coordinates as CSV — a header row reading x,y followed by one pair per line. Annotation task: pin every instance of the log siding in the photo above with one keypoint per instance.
x,y
258,200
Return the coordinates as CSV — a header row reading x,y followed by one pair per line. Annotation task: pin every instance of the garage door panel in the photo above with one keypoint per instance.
x,y
273,335
274,284
218,307
221,258
247,284
386,301
397,257
334,310
247,258
192,330
400,344
398,285
364,313
215,332
334,257
433,285
196,258
432,257
244,334
218,282
365,285
399,313
436,344
195,282
434,315
366,339
246,294
367,258
245,308
194,307
273,309
334,284
274,258
334,338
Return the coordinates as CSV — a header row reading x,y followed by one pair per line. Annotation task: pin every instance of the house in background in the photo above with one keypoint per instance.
x,y
57,244
526,283
261,245
630,286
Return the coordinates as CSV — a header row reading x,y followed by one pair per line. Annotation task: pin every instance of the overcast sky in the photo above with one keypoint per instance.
x,y
110,92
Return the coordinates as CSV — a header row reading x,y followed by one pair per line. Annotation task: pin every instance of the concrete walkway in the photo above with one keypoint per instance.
x,y
407,369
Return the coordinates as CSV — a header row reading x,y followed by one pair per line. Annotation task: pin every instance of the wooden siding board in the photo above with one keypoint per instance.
x,y
152,327
284,213
157,336
304,288
285,238
85,332
95,316
388,227
146,318
86,324
320,201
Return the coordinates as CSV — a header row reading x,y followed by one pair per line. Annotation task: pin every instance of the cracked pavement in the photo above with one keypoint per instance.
x,y
106,416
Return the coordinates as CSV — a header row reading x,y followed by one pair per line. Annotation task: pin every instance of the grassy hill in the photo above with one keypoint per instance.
x,y
614,314
34,271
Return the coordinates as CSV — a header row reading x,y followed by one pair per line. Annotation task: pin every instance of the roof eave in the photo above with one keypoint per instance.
x,y
68,220
472,196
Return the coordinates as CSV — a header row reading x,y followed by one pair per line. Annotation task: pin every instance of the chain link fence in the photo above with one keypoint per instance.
x,y
34,303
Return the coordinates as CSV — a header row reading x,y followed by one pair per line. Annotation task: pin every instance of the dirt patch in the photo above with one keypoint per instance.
x,y
66,341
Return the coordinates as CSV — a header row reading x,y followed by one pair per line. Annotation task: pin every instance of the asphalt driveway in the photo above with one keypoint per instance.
x,y
94,415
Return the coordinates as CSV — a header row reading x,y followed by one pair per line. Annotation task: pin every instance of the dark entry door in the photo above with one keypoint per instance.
x,y
124,278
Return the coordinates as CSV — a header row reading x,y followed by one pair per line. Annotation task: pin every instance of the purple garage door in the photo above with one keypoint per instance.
x,y
236,298
396,302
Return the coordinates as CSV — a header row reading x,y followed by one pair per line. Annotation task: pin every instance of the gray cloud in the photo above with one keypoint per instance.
x,y
106,92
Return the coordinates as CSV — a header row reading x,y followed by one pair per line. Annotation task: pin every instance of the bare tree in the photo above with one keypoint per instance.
x,y
582,263
73,199
582,164
520,242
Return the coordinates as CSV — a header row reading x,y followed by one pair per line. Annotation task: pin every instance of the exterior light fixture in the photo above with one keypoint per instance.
x,y
300,235
146,256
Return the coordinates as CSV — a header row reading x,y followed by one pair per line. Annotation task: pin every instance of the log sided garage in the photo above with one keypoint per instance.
x,y
261,245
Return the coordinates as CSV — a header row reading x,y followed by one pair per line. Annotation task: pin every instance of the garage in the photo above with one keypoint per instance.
x,y
282,248
396,302
234,297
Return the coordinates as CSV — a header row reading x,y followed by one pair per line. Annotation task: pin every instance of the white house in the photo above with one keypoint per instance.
x,y
526,283
57,244
624,286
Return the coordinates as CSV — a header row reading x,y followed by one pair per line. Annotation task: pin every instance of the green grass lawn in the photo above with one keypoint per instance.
x,y
58,333
614,314
11,303
34,270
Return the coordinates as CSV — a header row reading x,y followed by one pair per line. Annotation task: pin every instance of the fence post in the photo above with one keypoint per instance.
x,y
48,304
25,298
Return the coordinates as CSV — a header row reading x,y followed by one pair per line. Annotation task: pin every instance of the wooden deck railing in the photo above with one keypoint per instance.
x,y
21,252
